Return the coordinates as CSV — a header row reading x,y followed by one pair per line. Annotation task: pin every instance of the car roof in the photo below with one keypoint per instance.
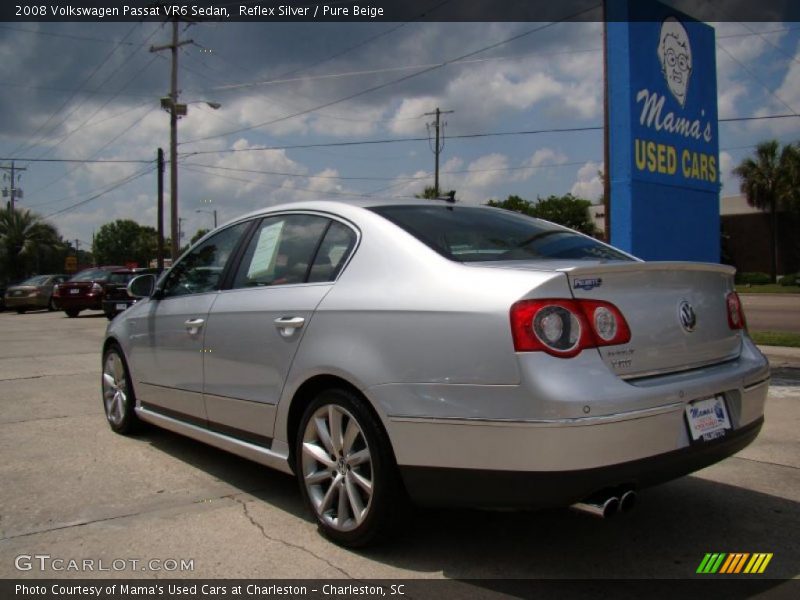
x,y
327,205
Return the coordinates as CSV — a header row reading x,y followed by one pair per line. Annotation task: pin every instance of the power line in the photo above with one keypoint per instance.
x,y
451,137
78,160
374,178
119,184
395,81
33,144
289,189
104,104
757,79
98,151
71,36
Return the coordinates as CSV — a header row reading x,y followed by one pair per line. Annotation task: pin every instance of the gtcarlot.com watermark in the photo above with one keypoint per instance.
x,y
46,563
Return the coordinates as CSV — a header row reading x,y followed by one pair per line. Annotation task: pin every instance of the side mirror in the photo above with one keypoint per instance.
x,y
142,286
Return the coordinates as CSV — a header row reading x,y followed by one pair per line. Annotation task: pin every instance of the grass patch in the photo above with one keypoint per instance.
x,y
776,338
770,288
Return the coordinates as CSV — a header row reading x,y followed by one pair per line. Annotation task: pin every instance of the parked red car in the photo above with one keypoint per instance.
x,y
84,291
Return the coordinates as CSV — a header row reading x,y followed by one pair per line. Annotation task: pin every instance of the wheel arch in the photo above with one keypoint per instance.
x,y
309,390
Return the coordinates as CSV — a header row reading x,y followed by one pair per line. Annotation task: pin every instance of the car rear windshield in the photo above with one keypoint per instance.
x,y
120,277
477,234
91,275
38,280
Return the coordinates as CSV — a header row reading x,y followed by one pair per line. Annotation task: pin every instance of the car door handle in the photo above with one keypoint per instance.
x,y
193,326
287,325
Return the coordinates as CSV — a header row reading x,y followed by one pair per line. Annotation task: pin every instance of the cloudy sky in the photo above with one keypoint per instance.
x,y
91,91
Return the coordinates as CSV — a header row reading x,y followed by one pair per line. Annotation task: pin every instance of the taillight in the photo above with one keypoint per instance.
x,y
56,291
565,327
736,318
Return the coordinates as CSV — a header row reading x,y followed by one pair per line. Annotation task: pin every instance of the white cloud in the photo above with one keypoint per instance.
x,y
588,184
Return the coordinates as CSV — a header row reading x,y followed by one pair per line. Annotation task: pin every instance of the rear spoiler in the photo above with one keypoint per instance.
x,y
624,267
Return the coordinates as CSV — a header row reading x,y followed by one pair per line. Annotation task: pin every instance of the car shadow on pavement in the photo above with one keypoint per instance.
x,y
666,536
269,485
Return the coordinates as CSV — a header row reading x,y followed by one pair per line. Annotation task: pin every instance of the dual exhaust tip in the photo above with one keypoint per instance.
x,y
607,506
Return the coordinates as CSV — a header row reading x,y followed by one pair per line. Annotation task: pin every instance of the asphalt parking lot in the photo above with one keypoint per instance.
x,y
72,489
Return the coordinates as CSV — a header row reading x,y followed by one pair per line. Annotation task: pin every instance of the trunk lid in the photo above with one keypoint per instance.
x,y
75,289
676,311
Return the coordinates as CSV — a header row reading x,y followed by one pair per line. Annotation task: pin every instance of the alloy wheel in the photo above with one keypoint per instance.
x,y
337,468
115,389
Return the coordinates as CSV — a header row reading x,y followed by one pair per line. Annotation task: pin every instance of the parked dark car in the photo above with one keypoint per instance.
x,y
34,293
115,290
84,291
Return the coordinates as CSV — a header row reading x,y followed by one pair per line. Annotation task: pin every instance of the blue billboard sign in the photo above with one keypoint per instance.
x,y
662,131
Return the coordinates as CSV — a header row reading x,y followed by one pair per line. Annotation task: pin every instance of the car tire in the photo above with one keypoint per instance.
x,y
21,311
110,315
119,400
356,476
51,306
72,312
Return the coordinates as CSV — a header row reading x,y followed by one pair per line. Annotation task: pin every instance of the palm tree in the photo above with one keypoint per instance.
x,y
23,235
770,182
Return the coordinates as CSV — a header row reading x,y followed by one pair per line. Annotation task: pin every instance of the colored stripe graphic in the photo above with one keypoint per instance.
x,y
711,563
734,563
758,563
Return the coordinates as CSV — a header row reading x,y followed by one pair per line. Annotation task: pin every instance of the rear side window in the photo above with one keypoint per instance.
x,y
333,252
476,234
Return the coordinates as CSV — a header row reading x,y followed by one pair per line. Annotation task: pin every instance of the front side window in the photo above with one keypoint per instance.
x,y
281,251
201,270
475,234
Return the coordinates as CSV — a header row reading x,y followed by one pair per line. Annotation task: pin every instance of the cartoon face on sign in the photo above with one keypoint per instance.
x,y
675,54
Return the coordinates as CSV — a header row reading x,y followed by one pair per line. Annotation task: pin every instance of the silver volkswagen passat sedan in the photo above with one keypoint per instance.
x,y
457,355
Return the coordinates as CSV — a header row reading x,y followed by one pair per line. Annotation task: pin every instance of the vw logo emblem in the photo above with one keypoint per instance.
x,y
686,316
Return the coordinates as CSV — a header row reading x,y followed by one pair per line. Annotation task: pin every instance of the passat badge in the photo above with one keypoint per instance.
x,y
587,284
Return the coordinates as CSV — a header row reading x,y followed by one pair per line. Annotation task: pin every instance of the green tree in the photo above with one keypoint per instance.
x,y
429,193
124,241
25,240
770,181
200,233
568,210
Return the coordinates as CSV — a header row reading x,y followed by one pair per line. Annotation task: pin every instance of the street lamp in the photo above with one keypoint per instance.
x,y
176,110
210,212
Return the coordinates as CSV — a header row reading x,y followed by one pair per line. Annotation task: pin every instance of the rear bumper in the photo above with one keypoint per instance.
x,y
110,306
15,302
66,303
540,489
483,446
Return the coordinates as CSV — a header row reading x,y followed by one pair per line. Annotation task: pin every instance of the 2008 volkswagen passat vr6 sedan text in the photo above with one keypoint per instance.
x,y
457,355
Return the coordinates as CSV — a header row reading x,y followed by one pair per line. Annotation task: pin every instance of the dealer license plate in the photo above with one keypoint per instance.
x,y
708,418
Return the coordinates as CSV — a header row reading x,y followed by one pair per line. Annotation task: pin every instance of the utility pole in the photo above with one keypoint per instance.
x,y
160,212
176,110
12,191
438,126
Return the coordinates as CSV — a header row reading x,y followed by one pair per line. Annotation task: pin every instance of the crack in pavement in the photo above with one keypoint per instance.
x,y
766,462
49,375
124,516
260,527
92,414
